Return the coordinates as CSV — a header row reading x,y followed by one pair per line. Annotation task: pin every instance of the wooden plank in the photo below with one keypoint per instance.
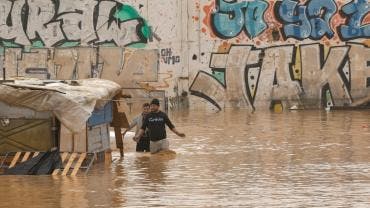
x,y
72,142
108,157
69,164
98,138
64,57
15,159
106,137
78,164
94,142
64,156
80,141
119,139
35,154
26,156
148,60
66,139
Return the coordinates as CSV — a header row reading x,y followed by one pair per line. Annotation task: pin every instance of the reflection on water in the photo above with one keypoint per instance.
x,y
293,159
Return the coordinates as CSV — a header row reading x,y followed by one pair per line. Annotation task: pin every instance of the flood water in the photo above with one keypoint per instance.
x,y
228,159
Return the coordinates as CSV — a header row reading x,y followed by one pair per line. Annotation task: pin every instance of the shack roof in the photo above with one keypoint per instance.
x,y
72,102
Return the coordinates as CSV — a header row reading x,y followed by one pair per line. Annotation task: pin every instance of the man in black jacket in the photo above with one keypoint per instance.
x,y
156,122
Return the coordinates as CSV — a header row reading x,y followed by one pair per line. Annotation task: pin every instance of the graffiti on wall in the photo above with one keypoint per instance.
x,y
168,57
308,75
231,18
53,39
313,19
308,53
52,23
127,67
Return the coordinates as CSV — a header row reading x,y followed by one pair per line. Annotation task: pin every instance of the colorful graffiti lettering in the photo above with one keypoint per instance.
x,y
355,12
232,17
51,23
294,17
309,19
256,78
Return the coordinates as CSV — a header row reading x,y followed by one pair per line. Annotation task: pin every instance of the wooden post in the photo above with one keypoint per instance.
x,y
25,157
78,164
108,157
119,121
64,156
69,164
35,154
15,159
119,140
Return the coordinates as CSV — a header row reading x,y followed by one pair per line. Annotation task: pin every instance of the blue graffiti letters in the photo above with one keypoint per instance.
x,y
307,21
295,19
232,17
320,13
355,11
255,23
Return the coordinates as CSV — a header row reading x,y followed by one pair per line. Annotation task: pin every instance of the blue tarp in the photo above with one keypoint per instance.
x,y
101,116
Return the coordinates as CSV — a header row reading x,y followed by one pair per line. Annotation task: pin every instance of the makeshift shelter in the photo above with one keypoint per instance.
x,y
70,116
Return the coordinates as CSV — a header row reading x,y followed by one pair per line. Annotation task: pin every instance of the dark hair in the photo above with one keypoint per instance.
x,y
146,105
155,101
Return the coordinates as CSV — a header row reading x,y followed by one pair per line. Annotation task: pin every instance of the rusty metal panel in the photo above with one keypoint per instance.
x,y
25,135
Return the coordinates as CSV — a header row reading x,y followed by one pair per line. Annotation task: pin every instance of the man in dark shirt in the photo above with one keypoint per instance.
x,y
156,122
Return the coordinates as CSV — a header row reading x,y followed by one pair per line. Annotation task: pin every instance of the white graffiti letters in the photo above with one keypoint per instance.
x,y
54,22
317,73
78,24
40,12
10,22
259,78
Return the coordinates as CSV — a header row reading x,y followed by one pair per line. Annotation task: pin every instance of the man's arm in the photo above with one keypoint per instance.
x,y
139,135
141,130
178,133
172,127
132,125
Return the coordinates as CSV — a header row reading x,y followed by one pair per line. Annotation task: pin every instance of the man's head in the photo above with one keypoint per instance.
x,y
154,105
146,108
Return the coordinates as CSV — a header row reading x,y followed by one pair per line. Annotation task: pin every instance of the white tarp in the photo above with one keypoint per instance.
x,y
72,104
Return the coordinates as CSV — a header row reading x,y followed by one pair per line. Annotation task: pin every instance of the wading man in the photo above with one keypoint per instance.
x,y
156,122
144,142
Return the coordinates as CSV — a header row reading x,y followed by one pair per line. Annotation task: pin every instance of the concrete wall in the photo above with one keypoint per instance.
x,y
250,54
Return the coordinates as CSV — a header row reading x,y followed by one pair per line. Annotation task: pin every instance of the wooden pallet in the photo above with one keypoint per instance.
x,y
9,160
72,162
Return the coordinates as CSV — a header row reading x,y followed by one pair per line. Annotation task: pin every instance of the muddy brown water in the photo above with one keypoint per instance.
x,y
228,159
